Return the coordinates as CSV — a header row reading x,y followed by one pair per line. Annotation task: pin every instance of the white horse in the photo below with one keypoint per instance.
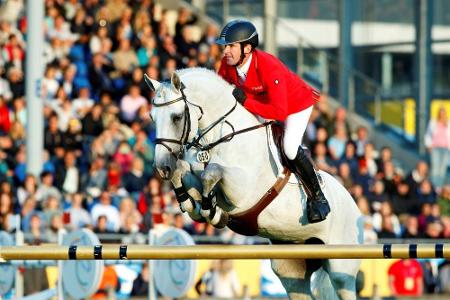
x,y
195,110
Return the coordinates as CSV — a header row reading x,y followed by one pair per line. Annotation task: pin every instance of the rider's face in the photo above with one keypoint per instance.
x,y
232,53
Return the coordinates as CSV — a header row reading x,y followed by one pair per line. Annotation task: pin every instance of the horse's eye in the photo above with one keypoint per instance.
x,y
177,118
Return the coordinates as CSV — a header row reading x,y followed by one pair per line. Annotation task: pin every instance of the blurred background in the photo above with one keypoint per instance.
x,y
77,146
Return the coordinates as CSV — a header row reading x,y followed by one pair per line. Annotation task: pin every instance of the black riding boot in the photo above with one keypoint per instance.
x,y
317,205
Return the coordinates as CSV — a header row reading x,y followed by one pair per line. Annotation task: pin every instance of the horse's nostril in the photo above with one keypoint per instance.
x,y
167,170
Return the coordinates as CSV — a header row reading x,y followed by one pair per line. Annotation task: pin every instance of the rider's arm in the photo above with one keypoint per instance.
x,y
276,104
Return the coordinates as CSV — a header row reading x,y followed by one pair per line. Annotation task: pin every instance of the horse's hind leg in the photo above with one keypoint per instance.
x,y
294,276
343,273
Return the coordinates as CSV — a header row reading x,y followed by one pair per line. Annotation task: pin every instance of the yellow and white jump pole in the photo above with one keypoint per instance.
x,y
141,252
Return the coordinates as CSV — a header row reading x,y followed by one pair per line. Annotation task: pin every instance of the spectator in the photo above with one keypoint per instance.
x,y
389,177
384,157
76,216
203,286
16,82
425,192
339,119
345,175
370,235
128,210
67,174
125,58
444,201
434,230
62,107
83,104
99,74
5,90
387,228
406,278
362,138
72,138
46,188
96,179
417,175
185,18
225,282
53,137
130,103
134,180
377,195
404,201
147,51
437,141
50,207
92,123
322,160
101,225
140,284
124,157
337,142
13,53
106,209
350,158
444,277
368,159
28,189
29,209
55,224
6,212
386,212
68,80
5,122
19,112
412,228
49,83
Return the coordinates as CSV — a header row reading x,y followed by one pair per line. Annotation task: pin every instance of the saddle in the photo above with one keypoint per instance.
x,y
246,222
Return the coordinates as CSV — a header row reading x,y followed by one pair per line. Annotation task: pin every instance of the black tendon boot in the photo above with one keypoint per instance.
x,y
317,205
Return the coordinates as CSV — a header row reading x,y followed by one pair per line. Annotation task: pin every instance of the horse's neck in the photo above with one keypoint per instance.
x,y
245,159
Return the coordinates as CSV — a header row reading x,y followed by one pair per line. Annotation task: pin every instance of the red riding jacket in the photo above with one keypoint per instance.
x,y
272,90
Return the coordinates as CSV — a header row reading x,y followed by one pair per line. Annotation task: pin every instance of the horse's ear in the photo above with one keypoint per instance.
x,y
152,84
176,81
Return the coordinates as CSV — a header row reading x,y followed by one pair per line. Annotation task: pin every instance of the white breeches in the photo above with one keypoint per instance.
x,y
295,127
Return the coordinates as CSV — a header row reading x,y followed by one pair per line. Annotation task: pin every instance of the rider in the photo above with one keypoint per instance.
x,y
266,87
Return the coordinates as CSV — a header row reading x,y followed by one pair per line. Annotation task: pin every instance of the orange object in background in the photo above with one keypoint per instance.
x,y
109,281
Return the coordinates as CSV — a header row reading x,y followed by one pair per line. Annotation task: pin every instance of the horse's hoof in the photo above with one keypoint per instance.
x,y
223,220
205,212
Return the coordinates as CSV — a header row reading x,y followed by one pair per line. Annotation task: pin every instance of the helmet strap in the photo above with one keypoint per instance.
x,y
241,59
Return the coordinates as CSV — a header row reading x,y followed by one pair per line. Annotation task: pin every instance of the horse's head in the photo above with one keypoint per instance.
x,y
176,122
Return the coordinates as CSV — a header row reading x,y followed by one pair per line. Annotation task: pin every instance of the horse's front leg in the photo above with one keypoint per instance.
x,y
187,199
210,177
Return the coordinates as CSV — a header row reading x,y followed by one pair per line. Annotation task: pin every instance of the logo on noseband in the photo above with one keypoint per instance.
x,y
203,156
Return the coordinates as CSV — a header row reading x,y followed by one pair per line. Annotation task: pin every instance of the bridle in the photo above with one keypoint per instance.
x,y
186,126
185,145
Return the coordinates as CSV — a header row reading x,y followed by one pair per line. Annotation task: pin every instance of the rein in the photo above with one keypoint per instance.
x,y
183,141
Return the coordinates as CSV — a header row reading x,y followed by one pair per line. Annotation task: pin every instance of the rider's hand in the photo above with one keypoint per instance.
x,y
239,95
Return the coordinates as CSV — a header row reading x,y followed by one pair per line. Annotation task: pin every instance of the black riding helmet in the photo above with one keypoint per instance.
x,y
238,31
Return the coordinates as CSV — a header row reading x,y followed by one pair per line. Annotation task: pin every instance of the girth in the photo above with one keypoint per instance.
x,y
246,222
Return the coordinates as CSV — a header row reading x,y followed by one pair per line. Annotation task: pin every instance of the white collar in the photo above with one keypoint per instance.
x,y
242,71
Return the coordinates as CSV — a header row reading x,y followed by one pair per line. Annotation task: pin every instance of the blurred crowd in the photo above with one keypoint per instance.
x,y
99,142
98,139
396,203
